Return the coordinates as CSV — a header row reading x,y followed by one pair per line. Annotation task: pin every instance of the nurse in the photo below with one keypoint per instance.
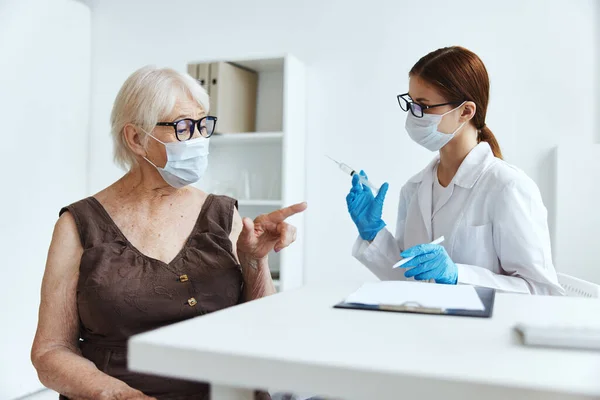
x,y
490,212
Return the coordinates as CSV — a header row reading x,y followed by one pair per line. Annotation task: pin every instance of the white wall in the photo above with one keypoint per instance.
x,y
577,227
577,194
44,109
597,51
540,56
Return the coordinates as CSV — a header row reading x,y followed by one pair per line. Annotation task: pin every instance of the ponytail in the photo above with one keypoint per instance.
x,y
484,134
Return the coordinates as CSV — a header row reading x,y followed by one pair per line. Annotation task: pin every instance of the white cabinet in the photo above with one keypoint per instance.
x,y
265,170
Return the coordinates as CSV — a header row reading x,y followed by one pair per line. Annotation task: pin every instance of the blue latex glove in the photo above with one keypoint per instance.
x,y
365,209
431,262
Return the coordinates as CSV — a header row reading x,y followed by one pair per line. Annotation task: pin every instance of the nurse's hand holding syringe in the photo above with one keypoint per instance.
x,y
365,208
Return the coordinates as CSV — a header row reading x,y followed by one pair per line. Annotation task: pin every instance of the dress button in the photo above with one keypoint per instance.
x,y
192,302
183,278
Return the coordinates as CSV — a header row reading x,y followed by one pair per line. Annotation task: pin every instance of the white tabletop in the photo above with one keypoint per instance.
x,y
296,341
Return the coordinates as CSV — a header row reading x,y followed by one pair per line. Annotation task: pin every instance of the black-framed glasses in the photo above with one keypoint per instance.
x,y
416,109
186,128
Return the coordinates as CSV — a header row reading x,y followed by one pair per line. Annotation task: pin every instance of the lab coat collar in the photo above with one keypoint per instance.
x,y
469,171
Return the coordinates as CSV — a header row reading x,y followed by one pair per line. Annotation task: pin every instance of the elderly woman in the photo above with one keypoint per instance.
x,y
149,250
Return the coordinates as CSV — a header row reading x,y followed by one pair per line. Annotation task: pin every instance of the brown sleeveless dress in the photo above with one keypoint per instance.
x,y
122,292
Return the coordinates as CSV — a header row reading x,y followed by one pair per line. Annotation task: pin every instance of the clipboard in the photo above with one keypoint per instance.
x,y
486,295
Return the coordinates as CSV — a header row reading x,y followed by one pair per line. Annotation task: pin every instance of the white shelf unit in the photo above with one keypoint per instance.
x,y
265,170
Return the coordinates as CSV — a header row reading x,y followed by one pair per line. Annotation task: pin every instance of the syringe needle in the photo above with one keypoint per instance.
x,y
348,170
332,159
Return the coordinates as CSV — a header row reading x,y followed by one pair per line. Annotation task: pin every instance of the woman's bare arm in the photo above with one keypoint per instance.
x,y
55,354
256,273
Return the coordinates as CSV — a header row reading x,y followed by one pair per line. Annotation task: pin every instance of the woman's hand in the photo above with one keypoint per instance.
x,y
431,261
268,232
366,209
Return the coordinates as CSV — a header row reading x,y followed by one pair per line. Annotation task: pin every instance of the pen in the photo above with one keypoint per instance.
x,y
407,259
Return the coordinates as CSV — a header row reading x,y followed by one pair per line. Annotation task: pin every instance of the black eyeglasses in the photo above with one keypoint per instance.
x,y
185,128
416,109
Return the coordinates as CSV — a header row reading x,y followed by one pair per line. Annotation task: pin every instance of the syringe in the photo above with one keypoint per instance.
x,y
350,171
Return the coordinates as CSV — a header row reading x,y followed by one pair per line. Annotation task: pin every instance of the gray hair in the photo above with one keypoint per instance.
x,y
146,97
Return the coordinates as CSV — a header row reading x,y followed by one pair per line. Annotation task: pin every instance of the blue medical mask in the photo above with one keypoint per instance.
x,y
424,131
186,161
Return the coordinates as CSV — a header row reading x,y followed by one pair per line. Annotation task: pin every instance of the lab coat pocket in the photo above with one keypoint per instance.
x,y
474,245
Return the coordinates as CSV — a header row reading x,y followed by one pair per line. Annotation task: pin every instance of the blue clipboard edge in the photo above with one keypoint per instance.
x,y
487,296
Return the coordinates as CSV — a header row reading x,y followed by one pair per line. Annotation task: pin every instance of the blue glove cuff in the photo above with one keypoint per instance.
x,y
371,232
451,280
455,279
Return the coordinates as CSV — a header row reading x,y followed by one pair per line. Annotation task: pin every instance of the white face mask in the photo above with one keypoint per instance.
x,y
424,130
186,161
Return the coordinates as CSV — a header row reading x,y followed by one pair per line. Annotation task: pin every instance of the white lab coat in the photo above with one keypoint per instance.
x,y
494,223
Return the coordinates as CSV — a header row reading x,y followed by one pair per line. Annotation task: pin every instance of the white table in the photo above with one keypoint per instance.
x,y
295,341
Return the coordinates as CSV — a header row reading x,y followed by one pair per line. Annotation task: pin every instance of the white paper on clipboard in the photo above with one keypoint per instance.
x,y
398,293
